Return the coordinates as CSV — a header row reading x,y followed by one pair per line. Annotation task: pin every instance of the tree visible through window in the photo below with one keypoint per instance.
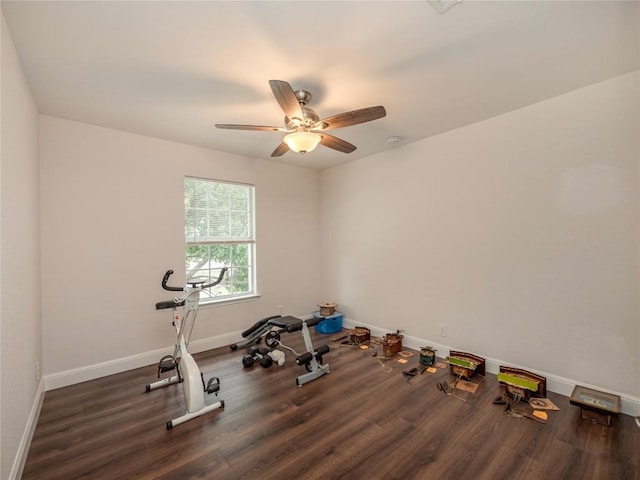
x,y
219,232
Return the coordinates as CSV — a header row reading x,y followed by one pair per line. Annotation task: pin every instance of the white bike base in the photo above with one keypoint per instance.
x,y
190,415
165,382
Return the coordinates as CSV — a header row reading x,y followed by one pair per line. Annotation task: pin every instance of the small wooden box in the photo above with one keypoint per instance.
x,y
597,407
359,335
427,356
391,344
595,417
465,364
522,383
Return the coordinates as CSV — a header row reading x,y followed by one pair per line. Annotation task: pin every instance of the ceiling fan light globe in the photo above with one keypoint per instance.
x,y
302,142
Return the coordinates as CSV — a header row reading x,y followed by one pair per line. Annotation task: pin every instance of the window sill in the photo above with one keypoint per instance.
x,y
229,301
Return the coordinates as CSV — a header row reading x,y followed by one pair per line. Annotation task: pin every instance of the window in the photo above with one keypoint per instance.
x,y
219,232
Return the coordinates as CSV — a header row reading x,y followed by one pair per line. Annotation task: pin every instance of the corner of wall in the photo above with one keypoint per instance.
x,y
25,442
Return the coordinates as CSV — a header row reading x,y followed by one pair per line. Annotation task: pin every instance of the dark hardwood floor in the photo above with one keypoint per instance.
x,y
364,420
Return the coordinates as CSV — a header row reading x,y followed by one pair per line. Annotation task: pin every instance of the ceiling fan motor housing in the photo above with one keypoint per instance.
x,y
310,116
303,96
309,120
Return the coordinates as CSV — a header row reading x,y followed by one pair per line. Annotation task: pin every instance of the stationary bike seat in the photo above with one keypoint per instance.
x,y
168,304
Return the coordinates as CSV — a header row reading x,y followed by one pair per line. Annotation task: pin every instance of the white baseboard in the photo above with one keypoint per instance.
x,y
555,383
25,442
91,372
118,365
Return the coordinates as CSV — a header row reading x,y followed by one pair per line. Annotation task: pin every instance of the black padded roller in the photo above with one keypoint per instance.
x,y
304,358
294,327
321,350
313,321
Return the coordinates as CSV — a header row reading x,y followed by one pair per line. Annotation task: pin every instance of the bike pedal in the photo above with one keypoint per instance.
x,y
213,385
166,364
167,367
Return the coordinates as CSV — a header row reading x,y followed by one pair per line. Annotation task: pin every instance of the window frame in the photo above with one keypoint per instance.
x,y
249,241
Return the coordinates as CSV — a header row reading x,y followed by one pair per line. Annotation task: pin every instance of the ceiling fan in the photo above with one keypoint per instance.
x,y
303,126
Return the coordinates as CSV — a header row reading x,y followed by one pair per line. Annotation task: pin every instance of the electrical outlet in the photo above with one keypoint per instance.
x,y
37,371
442,332
280,309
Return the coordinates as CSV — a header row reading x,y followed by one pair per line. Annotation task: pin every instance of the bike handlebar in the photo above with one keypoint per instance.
x,y
164,283
217,280
168,273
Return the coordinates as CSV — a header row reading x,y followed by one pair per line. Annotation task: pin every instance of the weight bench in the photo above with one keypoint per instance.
x,y
254,333
272,327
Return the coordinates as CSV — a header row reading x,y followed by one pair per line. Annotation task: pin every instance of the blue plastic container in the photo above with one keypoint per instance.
x,y
330,324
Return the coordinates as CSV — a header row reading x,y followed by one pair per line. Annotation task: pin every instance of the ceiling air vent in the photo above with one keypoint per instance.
x,y
443,5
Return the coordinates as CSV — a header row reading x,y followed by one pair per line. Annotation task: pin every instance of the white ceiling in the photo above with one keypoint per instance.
x,y
174,69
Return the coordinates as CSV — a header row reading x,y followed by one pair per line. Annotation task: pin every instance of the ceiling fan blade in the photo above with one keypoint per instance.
x,y
337,143
287,99
231,126
280,150
351,118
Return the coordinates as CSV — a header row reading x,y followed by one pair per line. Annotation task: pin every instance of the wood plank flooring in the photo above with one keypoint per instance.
x,y
364,420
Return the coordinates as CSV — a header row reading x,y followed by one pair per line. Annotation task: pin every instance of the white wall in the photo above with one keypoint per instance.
x,y
113,223
20,331
520,233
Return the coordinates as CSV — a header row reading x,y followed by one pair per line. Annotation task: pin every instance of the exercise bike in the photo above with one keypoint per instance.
x,y
186,369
